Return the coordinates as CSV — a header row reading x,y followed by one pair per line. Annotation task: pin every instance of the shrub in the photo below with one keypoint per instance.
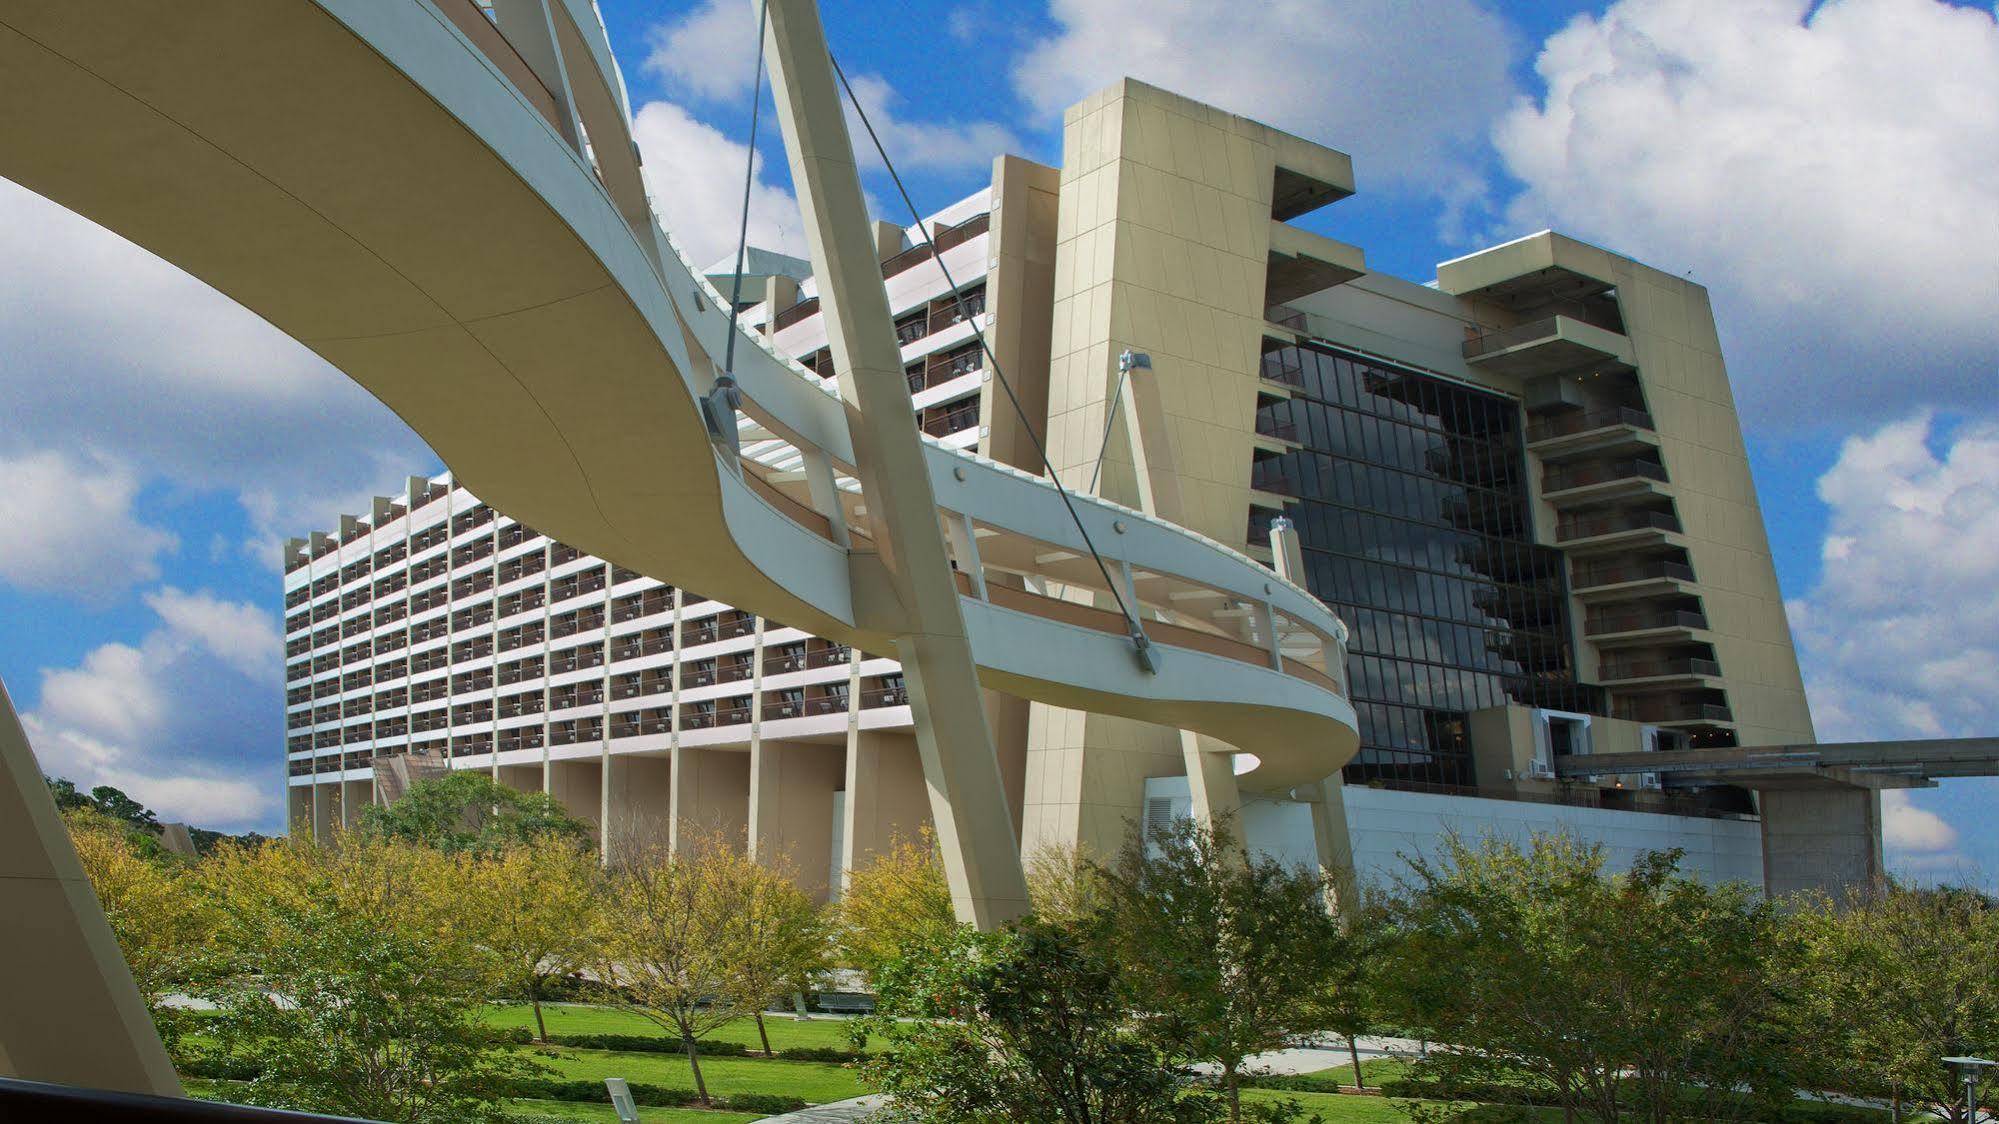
x,y
769,1104
819,1054
646,1044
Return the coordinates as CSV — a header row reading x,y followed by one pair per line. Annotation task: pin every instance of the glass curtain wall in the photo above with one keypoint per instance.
x,y
1409,494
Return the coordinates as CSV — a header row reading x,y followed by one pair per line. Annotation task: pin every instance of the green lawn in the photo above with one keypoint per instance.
x,y
785,1031
603,1113
815,1082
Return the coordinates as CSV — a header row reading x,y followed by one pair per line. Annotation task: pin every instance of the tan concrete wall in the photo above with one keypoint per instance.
x,y
1163,242
1020,295
579,787
641,802
711,795
887,798
791,808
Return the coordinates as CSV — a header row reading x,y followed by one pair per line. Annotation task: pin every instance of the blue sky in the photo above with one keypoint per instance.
x,y
1830,171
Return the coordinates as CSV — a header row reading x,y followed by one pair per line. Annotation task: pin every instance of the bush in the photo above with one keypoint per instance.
x,y
219,1067
1297,1082
819,1054
593,1092
646,1044
769,1104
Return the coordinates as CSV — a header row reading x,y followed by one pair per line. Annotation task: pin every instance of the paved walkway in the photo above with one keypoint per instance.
x,y
839,1113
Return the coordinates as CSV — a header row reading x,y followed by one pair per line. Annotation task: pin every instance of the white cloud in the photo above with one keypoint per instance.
x,y
1907,828
694,175
1830,169
109,347
916,145
240,635
710,52
185,721
70,526
1408,89
1900,636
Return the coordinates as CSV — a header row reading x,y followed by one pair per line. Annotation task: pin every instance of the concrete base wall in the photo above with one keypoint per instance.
x,y
791,809
641,803
1823,840
711,796
887,797
578,787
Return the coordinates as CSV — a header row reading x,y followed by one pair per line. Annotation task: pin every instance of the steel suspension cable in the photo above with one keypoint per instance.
x,y
749,182
1137,629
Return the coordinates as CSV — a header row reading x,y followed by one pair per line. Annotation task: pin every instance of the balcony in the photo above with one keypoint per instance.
x,y
1546,347
1603,481
1658,669
1616,530
1644,626
1602,580
1673,712
1608,431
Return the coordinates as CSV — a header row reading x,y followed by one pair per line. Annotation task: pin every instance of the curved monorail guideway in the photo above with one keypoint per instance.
x,y
446,204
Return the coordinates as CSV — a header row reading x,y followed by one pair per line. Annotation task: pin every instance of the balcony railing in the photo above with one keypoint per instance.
x,y
1672,711
1612,671
1569,424
1591,526
885,696
1590,577
1269,476
951,421
1603,472
1607,623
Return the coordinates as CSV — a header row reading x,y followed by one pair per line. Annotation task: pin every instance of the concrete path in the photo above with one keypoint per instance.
x,y
841,1112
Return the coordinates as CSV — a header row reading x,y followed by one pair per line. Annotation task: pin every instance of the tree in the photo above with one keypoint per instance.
x,y
467,810
1224,953
776,936
1923,964
1647,994
1352,1005
105,800
663,950
365,1004
1028,1023
1063,884
899,899
160,925
532,907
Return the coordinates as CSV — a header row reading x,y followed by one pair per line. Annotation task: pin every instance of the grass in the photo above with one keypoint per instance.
x,y
785,1031
604,1114
814,1082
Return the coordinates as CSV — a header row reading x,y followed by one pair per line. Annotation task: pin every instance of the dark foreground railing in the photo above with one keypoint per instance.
x,y
35,1100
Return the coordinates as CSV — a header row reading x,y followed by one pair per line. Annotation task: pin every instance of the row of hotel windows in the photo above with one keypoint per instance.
x,y
799,655
513,569
830,698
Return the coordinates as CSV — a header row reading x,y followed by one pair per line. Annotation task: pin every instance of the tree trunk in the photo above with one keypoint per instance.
x,y
534,1000
765,1035
1353,1051
1895,1104
1229,1082
694,1061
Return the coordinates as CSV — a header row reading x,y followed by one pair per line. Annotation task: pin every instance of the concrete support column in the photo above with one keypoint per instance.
x,y
1820,839
73,1015
1211,783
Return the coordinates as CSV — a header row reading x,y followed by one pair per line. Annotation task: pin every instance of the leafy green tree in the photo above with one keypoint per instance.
x,y
1352,1005
1028,1023
532,907
105,800
777,938
467,810
1647,995
1225,954
663,949
899,899
365,1004
1923,967
161,926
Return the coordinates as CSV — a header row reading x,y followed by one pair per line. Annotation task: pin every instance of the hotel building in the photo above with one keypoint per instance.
x,y
1523,486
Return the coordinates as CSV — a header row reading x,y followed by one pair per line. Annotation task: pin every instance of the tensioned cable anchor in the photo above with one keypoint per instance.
x,y
718,408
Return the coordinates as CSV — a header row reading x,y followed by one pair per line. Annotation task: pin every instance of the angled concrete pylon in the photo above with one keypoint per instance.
x,y
967,795
73,1016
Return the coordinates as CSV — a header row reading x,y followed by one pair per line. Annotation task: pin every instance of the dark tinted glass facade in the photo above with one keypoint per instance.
x,y
1411,506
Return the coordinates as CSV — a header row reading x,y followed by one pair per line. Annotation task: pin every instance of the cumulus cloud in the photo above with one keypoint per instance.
x,y
710,52
1830,169
1408,89
185,720
71,528
109,347
1899,637
693,174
